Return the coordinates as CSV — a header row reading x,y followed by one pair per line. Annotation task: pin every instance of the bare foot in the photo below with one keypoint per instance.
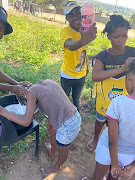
x,y
92,144
47,171
48,148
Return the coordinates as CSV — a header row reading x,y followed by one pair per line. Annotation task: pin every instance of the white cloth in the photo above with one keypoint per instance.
x,y
16,108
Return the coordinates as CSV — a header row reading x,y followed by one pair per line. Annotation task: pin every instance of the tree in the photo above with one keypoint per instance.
x,y
58,4
133,17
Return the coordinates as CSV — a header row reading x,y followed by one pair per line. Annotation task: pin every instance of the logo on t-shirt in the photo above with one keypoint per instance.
x,y
81,66
114,92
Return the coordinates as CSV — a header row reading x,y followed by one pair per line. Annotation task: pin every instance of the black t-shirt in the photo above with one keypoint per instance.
x,y
115,61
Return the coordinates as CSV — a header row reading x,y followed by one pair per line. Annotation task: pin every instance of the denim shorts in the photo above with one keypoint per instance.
x,y
69,130
100,117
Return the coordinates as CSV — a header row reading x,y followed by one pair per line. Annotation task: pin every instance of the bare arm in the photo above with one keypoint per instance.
x,y
113,145
25,119
98,74
86,38
13,86
5,78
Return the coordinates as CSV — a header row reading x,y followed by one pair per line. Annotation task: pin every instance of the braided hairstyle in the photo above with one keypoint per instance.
x,y
116,21
131,67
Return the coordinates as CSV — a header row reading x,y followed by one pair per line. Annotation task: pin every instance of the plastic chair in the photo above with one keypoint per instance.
x,y
12,132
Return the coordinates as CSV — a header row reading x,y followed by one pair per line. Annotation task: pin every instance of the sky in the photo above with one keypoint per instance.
x,y
125,3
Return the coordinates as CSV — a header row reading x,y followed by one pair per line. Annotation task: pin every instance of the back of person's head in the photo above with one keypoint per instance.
x,y
131,68
3,18
116,21
69,6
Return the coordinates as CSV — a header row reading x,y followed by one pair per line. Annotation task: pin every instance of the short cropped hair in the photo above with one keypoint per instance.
x,y
131,68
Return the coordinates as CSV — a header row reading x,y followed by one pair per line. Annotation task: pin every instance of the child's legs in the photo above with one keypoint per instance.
x,y
100,171
63,155
100,121
66,85
76,91
65,135
52,133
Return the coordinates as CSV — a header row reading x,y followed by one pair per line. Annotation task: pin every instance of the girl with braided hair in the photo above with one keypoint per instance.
x,y
109,71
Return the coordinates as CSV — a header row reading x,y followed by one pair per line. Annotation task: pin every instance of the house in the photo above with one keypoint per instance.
x,y
4,3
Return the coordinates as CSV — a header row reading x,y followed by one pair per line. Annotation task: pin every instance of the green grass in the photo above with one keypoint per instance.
x,y
33,52
2,177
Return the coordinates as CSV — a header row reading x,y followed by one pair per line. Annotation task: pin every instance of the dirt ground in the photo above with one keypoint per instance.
x,y
80,161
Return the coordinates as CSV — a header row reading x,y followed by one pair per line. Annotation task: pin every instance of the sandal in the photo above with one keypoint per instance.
x,y
44,173
85,178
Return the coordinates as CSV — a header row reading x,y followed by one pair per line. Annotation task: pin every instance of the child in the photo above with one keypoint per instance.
x,y
109,71
13,86
120,150
64,119
74,41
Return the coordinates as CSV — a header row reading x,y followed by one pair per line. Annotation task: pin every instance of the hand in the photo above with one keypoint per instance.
x,y
127,173
115,171
88,36
128,61
25,83
20,90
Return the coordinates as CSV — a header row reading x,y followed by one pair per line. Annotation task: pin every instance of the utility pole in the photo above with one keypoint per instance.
x,y
116,5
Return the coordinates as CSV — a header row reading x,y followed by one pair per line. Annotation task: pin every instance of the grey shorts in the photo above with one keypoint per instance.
x,y
69,130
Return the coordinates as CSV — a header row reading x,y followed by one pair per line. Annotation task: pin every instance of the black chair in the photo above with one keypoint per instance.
x,y
12,132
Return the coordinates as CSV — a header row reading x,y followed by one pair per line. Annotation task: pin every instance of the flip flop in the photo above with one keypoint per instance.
x,y
90,146
44,173
85,178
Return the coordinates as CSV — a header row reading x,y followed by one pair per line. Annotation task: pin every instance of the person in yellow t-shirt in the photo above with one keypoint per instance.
x,y
109,71
74,41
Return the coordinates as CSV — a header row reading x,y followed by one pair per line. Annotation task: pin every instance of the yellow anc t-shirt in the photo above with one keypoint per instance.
x,y
110,88
75,62
106,91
